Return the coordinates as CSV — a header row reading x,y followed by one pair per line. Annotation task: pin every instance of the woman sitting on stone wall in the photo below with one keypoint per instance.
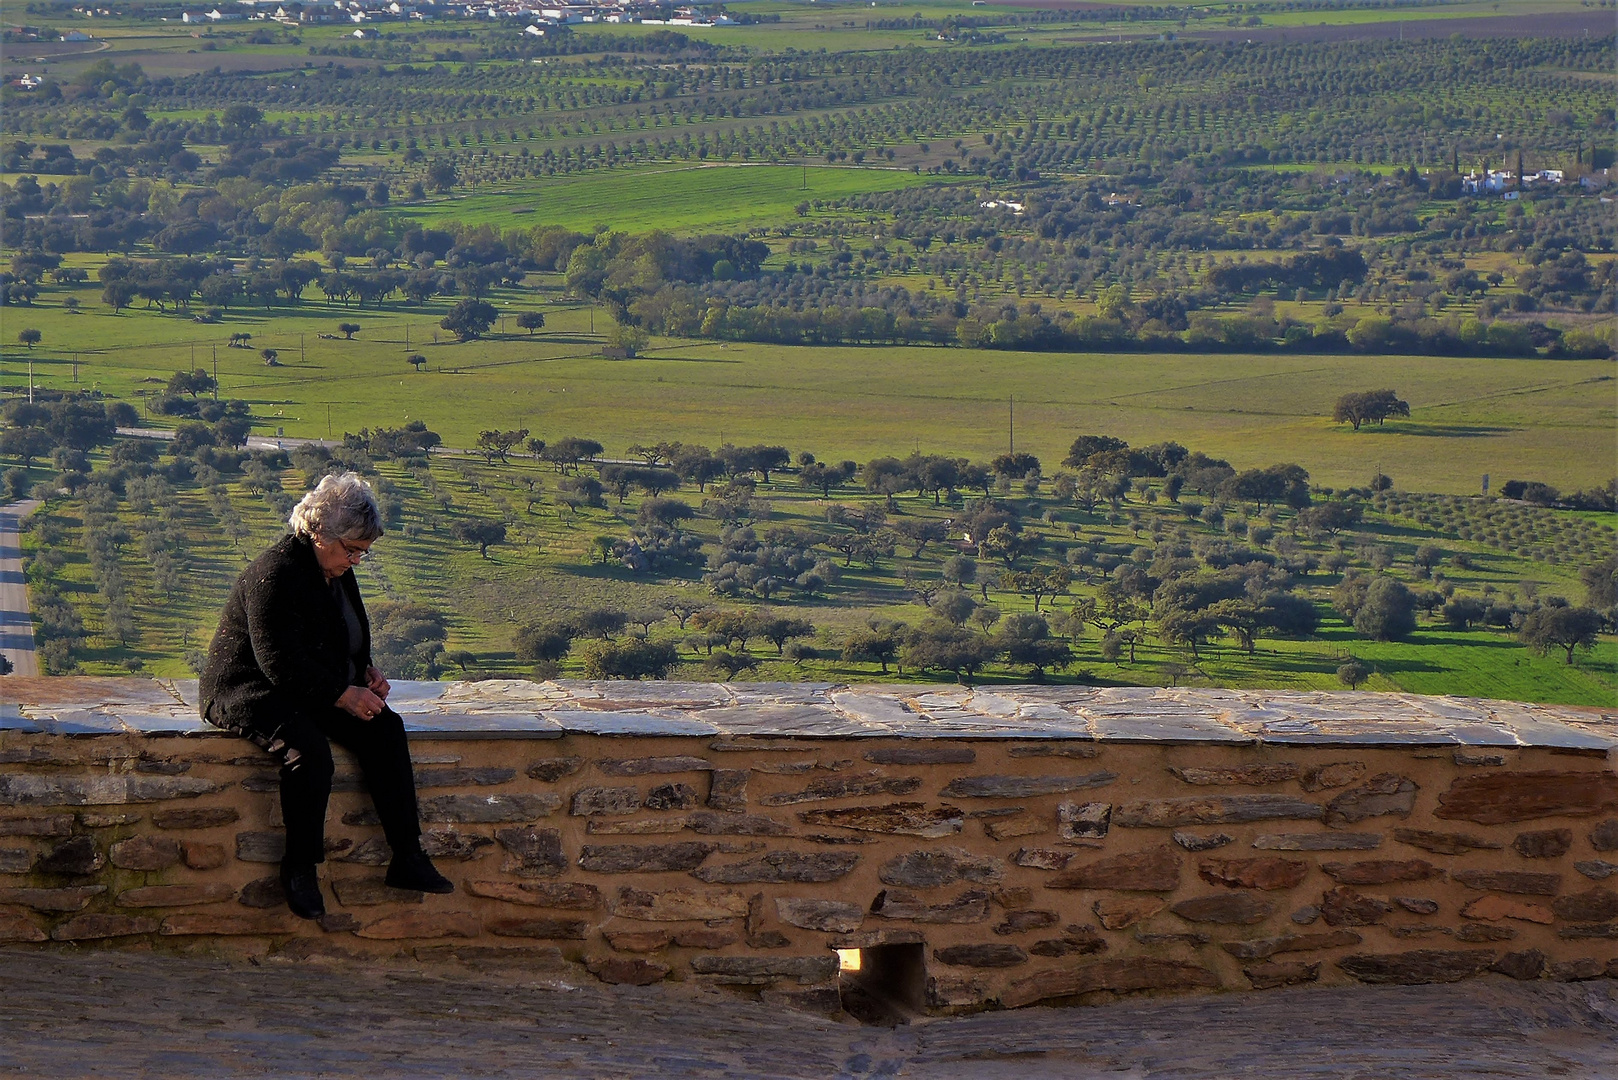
x,y
290,668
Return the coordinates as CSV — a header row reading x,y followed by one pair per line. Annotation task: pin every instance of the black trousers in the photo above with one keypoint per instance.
x,y
302,744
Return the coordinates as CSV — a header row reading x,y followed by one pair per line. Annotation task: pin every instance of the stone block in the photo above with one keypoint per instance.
x,y
1237,775
1477,933
679,905
1417,905
832,916
1383,794
1267,873
1442,843
1585,967
820,1000
1226,908
781,866
1122,975
840,787
1510,881
1193,842
1493,908
1017,825
651,766
1325,841
372,852
203,856
338,922
805,969
453,844
709,823
209,924
145,853
39,825
605,800
259,846
1604,837
1155,869
262,893
1336,774
727,790
550,929
456,777
981,956
1596,869
38,789
1022,787
1054,749
704,937
94,927
1075,941
1381,871
1271,974
1344,906
628,971
606,826
900,819
1496,798
1525,965
553,769
421,924
932,867
533,851
1543,844
1083,821
1020,922
488,809
14,927
96,820
638,941
196,817
1593,930
1043,858
1118,912
1263,948
77,855
1596,905
1419,967
368,892
671,797
942,754
149,896
566,895
643,858
971,906
1213,810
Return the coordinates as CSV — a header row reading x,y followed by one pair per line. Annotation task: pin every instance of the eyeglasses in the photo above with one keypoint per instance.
x,y
354,552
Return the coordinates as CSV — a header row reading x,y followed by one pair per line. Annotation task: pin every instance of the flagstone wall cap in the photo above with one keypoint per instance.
x,y
516,708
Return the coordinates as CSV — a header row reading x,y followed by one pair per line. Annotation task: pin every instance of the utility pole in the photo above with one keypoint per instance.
x,y
75,367
1011,425
300,348
30,380
328,421
216,373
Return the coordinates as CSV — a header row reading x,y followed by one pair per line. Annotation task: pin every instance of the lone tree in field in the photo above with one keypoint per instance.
x,y
1388,612
1352,674
29,337
1566,628
416,360
348,330
481,532
1369,406
531,321
470,319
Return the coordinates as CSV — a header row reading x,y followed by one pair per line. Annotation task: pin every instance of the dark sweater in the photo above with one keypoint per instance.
x,y
282,643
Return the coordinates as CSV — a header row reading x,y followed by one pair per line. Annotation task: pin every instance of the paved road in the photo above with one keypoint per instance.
x,y
127,1014
16,628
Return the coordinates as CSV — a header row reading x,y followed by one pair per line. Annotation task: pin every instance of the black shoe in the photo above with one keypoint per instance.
x,y
415,871
302,887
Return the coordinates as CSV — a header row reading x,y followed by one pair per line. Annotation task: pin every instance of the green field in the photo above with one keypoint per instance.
x,y
1551,420
689,198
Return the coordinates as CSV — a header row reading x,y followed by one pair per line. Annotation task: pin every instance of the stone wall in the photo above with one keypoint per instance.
x,y
1039,844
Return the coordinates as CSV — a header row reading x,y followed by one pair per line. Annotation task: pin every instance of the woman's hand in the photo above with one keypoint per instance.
x,y
375,683
361,703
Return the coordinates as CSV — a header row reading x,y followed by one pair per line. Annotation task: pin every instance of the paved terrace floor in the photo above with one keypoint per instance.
x,y
105,1014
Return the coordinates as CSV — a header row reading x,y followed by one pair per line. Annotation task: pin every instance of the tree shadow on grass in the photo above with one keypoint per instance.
x,y
1440,431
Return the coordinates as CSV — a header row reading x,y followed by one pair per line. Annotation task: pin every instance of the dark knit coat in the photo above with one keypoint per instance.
x,y
282,643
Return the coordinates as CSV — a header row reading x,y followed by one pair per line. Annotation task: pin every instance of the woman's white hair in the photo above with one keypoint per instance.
x,y
341,507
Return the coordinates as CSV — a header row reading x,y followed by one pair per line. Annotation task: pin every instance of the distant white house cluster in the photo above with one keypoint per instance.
x,y
538,18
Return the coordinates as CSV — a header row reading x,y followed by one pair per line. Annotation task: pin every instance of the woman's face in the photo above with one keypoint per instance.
x,y
337,557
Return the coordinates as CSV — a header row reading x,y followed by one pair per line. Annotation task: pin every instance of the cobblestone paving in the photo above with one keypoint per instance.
x,y
76,1014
